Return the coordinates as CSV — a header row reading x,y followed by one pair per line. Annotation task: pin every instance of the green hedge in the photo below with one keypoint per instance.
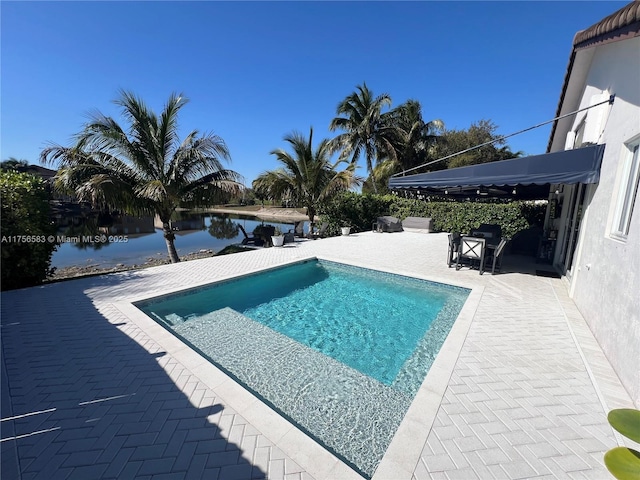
x,y
26,230
464,216
359,211
355,210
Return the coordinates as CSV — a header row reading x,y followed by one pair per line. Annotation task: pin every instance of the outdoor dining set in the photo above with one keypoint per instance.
x,y
481,248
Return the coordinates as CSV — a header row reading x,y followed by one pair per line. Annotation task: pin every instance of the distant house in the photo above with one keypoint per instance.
x,y
123,224
598,225
46,173
185,223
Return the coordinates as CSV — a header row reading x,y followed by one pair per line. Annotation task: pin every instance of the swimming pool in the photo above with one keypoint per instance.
x,y
338,350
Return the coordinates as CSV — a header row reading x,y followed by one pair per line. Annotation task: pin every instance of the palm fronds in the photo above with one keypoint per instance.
x,y
144,168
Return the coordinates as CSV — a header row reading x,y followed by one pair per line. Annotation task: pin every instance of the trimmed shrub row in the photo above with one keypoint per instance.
x,y
359,211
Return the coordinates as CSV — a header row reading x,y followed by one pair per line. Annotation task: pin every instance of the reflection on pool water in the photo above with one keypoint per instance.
x,y
341,351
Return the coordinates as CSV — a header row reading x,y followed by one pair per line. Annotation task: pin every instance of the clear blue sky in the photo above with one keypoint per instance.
x,y
255,71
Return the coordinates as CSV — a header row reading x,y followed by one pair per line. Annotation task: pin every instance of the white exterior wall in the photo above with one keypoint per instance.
x,y
605,282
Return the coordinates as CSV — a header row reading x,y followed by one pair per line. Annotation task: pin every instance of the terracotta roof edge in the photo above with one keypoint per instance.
x,y
624,17
627,15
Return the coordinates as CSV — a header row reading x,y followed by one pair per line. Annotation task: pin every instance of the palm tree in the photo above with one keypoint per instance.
x,y
418,137
145,170
307,175
366,129
414,141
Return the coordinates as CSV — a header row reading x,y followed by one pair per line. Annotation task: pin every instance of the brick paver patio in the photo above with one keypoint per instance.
x,y
91,388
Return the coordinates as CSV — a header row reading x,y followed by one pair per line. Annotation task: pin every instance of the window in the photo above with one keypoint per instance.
x,y
628,191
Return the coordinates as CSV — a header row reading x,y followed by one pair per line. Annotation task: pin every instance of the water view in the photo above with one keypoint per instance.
x,y
201,232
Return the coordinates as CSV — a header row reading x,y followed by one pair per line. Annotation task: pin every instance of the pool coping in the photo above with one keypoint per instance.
x,y
403,453
501,416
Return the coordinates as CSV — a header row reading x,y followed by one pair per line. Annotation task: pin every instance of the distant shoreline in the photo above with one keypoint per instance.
x,y
280,215
263,213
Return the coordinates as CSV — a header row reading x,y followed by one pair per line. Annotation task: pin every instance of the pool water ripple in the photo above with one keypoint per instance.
x,y
341,351
352,414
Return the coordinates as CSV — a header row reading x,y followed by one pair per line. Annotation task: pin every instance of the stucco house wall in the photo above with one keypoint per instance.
x,y
605,277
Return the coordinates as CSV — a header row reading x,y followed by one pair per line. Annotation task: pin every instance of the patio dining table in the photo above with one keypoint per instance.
x,y
491,243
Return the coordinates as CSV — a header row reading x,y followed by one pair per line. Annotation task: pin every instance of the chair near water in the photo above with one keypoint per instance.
x,y
298,229
472,249
249,240
289,237
321,232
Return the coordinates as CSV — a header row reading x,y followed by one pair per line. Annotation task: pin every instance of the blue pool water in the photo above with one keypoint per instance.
x,y
339,350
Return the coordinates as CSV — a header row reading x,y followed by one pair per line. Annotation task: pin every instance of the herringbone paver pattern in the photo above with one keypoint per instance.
x,y
92,391
104,401
520,403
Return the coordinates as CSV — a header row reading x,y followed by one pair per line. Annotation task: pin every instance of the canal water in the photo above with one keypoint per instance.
x,y
214,232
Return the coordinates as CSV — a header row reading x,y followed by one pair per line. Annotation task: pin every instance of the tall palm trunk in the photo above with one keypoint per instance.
x,y
311,213
169,237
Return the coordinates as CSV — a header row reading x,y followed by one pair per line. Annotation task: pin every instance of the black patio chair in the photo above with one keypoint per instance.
x,y
472,249
453,248
494,255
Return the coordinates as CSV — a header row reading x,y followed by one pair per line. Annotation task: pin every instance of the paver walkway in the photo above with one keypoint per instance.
x,y
93,389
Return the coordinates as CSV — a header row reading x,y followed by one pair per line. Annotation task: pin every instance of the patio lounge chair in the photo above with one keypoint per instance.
x,y
289,237
249,240
321,232
472,249
387,224
417,224
298,229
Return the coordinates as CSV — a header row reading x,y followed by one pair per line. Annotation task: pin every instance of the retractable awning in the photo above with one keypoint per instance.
x,y
581,165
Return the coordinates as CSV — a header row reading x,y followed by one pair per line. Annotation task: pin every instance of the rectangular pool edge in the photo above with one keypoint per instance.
x,y
404,451
403,454
295,443
224,278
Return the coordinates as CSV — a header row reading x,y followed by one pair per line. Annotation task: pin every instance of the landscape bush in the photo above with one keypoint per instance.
x,y
26,229
355,210
464,216
359,211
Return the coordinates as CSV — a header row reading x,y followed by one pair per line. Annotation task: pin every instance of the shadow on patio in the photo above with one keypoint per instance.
x,y
82,399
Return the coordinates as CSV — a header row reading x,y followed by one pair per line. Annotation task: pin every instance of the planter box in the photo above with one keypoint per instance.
x,y
277,240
